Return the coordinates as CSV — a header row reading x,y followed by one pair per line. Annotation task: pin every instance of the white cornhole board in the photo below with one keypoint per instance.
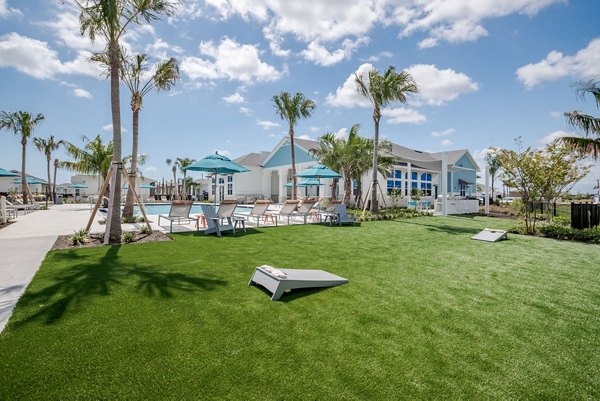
x,y
278,280
491,235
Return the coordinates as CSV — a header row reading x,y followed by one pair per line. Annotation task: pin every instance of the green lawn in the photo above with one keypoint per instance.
x,y
428,313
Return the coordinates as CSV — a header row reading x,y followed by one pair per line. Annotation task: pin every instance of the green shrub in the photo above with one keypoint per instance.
x,y
127,237
518,228
145,229
388,214
566,232
562,220
79,237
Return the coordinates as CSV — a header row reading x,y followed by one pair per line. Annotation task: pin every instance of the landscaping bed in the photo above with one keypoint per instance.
x,y
93,240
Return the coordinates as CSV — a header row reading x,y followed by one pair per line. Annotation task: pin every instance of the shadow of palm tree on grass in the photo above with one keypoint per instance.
x,y
454,230
86,280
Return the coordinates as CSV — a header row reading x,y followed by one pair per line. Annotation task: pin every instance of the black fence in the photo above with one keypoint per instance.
x,y
542,208
585,215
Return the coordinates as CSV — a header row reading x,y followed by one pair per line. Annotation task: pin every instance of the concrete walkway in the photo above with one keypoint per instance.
x,y
25,243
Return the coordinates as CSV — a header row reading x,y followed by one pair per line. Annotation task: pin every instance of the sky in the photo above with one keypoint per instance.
x,y
488,71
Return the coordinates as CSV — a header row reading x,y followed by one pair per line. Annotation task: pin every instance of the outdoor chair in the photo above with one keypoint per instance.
x,y
288,209
329,212
180,211
260,211
213,221
342,216
304,209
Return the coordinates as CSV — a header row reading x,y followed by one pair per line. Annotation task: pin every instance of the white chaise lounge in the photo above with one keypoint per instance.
x,y
278,280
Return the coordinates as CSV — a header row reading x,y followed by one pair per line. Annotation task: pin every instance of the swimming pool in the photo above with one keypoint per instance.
x,y
154,209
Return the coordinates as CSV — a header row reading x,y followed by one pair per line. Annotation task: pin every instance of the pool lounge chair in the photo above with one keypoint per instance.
x,y
288,209
180,211
226,208
329,211
277,281
260,211
341,215
304,210
213,221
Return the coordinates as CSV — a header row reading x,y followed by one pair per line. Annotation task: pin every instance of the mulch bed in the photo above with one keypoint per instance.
x,y
63,241
6,225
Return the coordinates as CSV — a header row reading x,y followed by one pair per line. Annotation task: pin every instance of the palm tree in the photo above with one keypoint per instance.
x,y
381,90
173,166
363,158
165,75
21,123
493,162
109,19
47,146
183,163
590,125
292,109
56,166
94,158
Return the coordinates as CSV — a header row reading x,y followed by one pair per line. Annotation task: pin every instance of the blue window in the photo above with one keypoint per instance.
x,y
397,174
221,180
415,175
397,184
425,177
390,183
229,178
413,184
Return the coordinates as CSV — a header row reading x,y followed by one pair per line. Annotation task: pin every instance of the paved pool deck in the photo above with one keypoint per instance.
x,y
25,243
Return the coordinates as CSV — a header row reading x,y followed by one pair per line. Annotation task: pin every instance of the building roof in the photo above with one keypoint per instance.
x,y
28,176
252,159
307,144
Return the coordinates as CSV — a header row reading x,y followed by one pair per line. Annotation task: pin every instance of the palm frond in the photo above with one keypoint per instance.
x,y
583,146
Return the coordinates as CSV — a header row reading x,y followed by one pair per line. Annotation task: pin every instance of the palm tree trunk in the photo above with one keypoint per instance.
x,y
113,220
128,209
347,187
48,192
376,118
23,175
54,183
293,164
358,196
183,187
175,192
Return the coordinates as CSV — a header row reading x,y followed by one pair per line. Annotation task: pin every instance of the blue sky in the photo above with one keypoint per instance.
x,y
489,71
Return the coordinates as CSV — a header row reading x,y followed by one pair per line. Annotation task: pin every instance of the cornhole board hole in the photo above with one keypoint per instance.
x,y
490,235
277,281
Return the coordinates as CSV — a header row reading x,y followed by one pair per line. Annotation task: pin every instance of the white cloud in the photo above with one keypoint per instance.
x,y
235,98
150,169
551,137
6,11
403,115
36,58
161,49
556,114
304,136
246,111
82,93
314,129
268,124
347,95
443,133
318,54
437,87
66,27
446,142
230,60
342,133
222,152
109,127
377,57
457,21
584,64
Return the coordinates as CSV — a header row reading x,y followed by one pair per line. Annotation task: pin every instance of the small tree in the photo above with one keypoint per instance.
x,y
493,162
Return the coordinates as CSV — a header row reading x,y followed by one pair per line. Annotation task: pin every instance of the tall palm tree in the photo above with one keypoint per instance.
x,y
173,165
47,146
94,158
56,166
183,163
381,90
164,77
21,123
493,162
292,109
109,19
589,125
363,159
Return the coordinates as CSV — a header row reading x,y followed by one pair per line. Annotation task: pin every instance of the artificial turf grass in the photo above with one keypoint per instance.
x,y
429,314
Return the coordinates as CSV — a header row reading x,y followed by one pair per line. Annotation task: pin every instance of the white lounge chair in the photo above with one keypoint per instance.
x,y
180,211
213,221
304,209
341,215
260,211
288,209
277,281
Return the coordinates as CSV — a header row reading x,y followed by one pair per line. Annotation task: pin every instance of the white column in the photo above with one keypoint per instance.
x,y
409,180
3,208
282,182
444,183
487,190
451,183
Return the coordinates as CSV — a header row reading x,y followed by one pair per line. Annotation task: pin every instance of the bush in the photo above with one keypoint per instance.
x,y
145,229
127,237
566,232
388,214
79,237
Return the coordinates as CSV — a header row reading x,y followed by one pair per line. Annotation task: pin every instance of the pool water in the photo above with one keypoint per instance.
x,y
153,209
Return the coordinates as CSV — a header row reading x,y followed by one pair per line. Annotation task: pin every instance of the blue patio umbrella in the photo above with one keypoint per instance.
x,y
6,173
142,186
29,180
78,186
317,172
217,164
305,183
